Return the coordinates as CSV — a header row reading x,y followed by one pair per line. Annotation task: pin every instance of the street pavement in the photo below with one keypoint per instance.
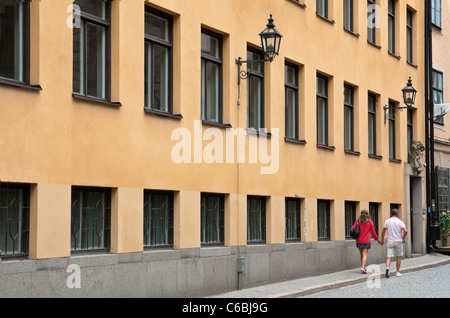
x,y
312,285
428,283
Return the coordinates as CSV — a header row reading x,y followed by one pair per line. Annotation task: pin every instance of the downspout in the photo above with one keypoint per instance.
x,y
431,105
429,126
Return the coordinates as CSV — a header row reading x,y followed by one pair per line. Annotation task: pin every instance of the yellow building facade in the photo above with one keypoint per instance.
x,y
126,112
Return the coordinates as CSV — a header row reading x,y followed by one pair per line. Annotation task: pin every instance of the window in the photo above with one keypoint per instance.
x,y
348,118
409,36
372,114
371,24
323,220
322,8
391,118
438,93
14,219
348,15
391,26
91,218
211,76
158,218
256,219
443,175
436,10
350,217
322,110
373,212
255,110
291,100
292,207
409,126
158,61
15,41
91,50
212,219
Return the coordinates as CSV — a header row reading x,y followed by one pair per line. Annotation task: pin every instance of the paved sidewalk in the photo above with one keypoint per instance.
x,y
311,285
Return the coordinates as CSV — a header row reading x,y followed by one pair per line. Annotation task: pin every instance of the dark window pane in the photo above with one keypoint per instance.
x,y
11,38
157,26
14,219
212,214
210,46
78,60
291,113
91,219
321,121
292,219
96,46
158,219
210,91
256,220
94,7
255,105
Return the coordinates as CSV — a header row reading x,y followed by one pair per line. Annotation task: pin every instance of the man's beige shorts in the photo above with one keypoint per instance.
x,y
394,250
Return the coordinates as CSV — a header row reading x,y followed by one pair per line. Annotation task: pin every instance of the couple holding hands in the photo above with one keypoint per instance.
x,y
396,233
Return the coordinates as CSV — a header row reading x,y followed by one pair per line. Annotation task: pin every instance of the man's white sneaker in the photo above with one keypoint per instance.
x,y
398,274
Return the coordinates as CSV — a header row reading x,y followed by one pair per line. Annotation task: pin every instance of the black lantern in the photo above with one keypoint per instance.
x,y
409,94
409,97
270,40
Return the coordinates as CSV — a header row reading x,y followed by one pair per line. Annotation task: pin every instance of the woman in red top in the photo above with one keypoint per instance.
x,y
363,242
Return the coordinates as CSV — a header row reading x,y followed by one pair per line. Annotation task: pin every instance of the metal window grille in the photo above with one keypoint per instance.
x,y
14,219
292,207
158,219
91,218
373,212
212,219
256,220
350,217
323,220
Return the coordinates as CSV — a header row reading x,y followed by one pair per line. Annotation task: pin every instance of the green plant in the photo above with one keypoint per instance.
x,y
444,221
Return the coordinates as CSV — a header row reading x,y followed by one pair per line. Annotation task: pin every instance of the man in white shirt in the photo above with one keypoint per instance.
x,y
396,233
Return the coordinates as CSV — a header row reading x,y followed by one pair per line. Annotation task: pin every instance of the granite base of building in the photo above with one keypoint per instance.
x,y
176,273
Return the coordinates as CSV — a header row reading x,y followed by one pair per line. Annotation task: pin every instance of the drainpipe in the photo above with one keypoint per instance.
x,y
429,127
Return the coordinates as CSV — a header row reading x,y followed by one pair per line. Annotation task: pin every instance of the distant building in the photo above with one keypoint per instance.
x,y
441,89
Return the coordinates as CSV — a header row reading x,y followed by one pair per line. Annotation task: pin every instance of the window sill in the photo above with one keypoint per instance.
x,y
20,84
87,252
253,131
412,64
436,27
295,141
375,157
374,45
394,55
351,32
351,152
215,124
299,4
326,147
162,113
95,100
395,160
325,19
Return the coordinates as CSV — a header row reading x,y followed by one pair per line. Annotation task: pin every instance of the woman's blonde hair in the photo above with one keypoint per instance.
x,y
364,217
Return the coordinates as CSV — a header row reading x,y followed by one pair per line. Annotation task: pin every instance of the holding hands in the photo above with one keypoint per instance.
x,y
381,241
